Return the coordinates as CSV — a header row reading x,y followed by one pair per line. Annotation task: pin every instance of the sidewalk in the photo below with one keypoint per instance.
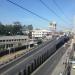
x,y
60,68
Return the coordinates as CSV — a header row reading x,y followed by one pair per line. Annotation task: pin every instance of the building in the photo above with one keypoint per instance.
x,y
13,41
52,26
40,33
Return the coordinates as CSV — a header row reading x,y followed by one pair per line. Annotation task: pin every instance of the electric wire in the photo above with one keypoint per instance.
x,y
60,9
28,10
51,10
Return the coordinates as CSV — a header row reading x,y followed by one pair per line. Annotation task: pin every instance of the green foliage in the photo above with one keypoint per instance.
x,y
17,28
2,29
30,27
27,27
14,29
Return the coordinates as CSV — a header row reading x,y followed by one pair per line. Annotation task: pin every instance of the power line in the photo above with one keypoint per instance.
x,y
28,10
51,10
59,8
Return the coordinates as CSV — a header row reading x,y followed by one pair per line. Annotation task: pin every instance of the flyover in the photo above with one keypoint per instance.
x,y
32,60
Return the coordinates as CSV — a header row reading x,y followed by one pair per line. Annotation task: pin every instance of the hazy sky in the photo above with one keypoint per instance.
x,y
10,13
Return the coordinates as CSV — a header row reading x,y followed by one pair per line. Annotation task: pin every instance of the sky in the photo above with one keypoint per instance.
x,y
10,13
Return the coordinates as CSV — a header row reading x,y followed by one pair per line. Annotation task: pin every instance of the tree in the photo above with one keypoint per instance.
x,y
8,29
30,28
1,23
17,23
17,28
2,29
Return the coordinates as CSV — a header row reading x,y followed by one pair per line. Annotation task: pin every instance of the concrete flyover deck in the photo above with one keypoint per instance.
x,y
54,65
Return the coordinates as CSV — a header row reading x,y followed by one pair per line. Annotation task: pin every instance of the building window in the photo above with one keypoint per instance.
x,y
22,39
9,40
0,40
3,40
12,40
25,39
19,39
6,40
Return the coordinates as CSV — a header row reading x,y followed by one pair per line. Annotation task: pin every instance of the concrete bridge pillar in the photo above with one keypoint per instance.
x,y
40,60
24,72
28,70
47,54
19,73
44,57
32,67
35,64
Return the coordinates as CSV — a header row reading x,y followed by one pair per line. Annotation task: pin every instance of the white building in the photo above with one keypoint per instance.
x,y
40,33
